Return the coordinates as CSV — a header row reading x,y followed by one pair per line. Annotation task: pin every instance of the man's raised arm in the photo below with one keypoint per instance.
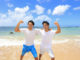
x,y
17,27
58,27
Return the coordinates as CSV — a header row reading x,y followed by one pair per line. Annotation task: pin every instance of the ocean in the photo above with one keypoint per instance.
x,y
66,45
66,32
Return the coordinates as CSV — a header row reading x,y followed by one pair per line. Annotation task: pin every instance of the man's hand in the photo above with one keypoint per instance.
x,y
21,21
56,23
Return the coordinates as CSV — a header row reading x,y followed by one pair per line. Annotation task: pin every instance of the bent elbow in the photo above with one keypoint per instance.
x,y
15,30
59,31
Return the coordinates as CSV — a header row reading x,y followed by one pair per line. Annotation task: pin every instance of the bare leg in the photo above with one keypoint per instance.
x,y
40,55
52,59
36,58
21,57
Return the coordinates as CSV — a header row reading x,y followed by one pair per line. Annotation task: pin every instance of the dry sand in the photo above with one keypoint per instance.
x,y
63,51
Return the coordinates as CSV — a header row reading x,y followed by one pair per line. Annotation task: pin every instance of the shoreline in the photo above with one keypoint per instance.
x,y
63,50
10,42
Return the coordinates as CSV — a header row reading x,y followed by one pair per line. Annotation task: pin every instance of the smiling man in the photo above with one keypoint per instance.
x,y
47,37
30,33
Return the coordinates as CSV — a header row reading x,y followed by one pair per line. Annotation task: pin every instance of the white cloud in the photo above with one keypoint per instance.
x,y
49,11
76,8
5,20
18,13
29,17
10,5
60,9
22,10
43,18
38,9
12,17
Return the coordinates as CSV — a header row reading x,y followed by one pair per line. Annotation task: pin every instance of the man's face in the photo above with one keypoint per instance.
x,y
30,25
45,26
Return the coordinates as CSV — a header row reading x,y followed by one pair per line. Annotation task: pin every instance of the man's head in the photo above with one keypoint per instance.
x,y
30,24
45,24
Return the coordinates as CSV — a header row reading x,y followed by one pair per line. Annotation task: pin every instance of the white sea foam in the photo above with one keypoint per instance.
x,y
8,42
77,41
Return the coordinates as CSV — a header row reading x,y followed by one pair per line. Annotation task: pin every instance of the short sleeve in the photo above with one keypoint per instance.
x,y
53,32
37,31
23,30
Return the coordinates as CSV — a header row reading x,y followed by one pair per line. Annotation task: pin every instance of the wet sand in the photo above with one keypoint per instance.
x,y
69,50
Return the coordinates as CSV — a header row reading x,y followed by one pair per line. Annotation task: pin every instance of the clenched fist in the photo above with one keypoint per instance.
x,y
21,21
56,23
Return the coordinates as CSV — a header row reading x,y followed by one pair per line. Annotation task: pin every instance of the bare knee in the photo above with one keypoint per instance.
x,y
40,55
52,58
36,58
21,57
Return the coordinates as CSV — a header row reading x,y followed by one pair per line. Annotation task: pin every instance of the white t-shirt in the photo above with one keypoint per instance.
x,y
29,35
47,38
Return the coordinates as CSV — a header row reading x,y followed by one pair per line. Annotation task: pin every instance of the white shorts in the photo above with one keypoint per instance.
x,y
48,50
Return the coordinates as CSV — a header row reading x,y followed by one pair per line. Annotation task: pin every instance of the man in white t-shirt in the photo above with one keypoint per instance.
x,y
30,33
47,37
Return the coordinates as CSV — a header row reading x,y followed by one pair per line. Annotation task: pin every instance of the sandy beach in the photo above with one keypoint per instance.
x,y
63,50
52,22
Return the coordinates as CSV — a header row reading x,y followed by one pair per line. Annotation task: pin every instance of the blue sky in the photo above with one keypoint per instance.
x,y
66,12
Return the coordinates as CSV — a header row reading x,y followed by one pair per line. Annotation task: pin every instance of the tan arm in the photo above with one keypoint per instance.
x,y
58,27
17,27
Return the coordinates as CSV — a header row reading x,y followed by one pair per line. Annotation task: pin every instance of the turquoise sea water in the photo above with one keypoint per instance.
x,y
66,32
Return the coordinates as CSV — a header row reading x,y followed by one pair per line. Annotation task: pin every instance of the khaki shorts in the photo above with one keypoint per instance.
x,y
48,50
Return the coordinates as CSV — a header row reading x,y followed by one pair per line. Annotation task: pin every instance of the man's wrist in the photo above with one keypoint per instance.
x,y
57,24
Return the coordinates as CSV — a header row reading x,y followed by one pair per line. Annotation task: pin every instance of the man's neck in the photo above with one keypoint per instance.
x,y
30,28
46,30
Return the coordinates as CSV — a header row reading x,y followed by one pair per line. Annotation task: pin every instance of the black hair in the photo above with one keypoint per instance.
x,y
45,22
31,22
